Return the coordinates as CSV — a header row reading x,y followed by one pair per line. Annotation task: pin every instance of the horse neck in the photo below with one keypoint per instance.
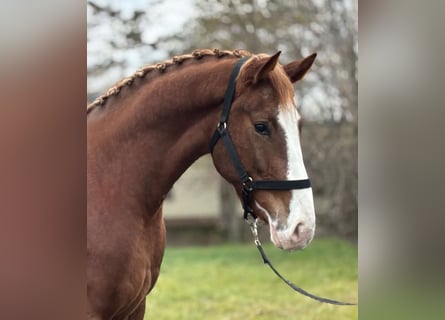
x,y
161,127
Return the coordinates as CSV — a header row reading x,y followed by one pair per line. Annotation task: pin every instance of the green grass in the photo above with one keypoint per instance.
x,y
231,282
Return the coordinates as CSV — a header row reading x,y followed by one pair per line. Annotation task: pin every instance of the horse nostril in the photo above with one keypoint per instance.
x,y
298,230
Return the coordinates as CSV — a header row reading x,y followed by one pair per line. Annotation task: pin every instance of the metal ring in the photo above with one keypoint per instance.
x,y
247,185
222,126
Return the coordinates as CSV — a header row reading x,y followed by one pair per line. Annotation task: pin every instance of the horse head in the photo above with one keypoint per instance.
x,y
265,127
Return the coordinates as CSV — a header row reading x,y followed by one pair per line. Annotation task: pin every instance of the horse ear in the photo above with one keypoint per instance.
x,y
297,69
265,67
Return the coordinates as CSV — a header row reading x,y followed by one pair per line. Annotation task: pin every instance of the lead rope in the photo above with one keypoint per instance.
x,y
252,222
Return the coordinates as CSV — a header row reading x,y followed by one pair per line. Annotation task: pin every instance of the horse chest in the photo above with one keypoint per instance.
x,y
125,267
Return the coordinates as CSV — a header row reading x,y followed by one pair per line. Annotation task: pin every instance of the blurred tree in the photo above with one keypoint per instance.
x,y
124,35
297,28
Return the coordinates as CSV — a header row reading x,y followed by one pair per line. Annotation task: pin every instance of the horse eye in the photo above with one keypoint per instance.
x,y
262,128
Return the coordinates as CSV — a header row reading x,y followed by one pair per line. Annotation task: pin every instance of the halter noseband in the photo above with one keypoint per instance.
x,y
222,132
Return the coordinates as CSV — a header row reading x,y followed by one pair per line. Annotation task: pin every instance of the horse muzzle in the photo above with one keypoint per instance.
x,y
292,238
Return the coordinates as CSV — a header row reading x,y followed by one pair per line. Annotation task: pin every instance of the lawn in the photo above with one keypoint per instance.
x,y
231,282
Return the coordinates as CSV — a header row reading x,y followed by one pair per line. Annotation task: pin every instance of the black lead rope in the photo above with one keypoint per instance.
x,y
253,227
249,185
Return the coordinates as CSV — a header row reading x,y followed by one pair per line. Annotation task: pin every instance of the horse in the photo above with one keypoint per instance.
x,y
146,130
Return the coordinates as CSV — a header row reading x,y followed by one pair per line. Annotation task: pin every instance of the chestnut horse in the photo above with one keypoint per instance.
x,y
150,127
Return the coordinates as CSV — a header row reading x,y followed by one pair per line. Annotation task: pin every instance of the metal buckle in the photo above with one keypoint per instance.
x,y
221,127
247,185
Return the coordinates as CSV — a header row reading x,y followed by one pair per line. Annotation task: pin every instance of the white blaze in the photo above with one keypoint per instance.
x,y
301,206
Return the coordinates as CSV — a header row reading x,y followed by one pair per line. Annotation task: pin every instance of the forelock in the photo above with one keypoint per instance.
x,y
280,82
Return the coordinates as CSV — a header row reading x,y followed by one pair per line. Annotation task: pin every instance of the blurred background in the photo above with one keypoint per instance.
x,y
202,208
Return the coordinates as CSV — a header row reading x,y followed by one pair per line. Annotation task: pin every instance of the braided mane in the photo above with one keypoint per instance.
x,y
161,67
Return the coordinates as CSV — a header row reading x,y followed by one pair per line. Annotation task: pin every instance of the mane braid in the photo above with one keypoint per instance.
x,y
161,67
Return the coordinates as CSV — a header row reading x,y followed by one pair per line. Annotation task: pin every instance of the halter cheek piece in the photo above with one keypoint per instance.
x,y
250,185
222,132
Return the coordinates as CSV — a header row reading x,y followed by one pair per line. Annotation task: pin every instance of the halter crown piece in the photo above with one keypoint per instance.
x,y
249,185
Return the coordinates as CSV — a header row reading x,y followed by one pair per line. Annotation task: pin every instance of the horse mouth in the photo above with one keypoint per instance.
x,y
291,235
297,239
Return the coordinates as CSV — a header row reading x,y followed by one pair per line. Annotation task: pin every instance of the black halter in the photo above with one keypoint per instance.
x,y
248,183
